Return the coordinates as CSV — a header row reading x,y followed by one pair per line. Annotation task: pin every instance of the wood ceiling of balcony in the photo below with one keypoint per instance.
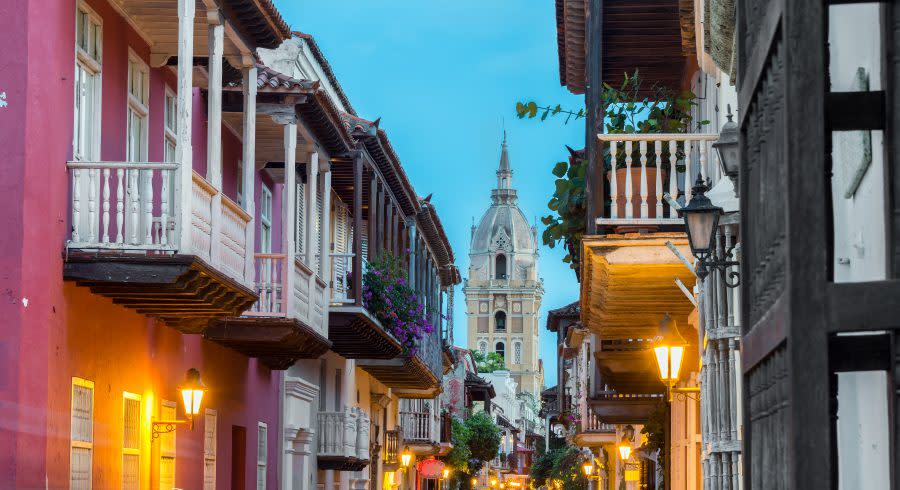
x,y
181,290
276,342
628,284
624,410
402,374
356,334
645,35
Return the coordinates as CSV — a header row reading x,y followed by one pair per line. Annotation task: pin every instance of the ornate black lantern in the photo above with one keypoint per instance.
x,y
727,148
701,220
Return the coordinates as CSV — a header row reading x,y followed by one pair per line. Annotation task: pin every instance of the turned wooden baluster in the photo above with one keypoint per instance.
x,y
92,206
105,223
134,205
76,205
645,209
673,176
120,205
703,170
629,211
164,207
657,147
688,181
613,182
147,198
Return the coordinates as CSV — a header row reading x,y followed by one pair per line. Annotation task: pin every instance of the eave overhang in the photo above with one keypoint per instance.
x,y
628,283
276,341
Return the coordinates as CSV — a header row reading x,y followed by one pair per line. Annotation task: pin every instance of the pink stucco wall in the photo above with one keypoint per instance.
x,y
51,330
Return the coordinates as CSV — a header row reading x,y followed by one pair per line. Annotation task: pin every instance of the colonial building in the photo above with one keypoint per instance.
x,y
503,291
187,306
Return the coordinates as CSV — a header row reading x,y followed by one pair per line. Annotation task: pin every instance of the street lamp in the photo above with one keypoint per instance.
x,y
701,219
474,482
446,473
493,482
192,391
406,457
669,350
588,468
727,148
624,449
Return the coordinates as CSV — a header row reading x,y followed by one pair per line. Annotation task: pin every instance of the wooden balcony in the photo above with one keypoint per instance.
x,y
411,376
422,428
127,243
279,329
647,166
594,431
354,331
624,408
343,440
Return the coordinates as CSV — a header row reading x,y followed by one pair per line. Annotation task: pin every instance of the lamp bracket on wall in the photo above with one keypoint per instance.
x,y
165,426
683,394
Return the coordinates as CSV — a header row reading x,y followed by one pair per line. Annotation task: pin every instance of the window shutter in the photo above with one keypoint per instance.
x,y
317,236
209,450
131,442
301,218
261,456
167,448
82,442
340,246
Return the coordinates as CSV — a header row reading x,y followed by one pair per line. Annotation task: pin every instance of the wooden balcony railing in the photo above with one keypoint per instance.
x,y
417,426
341,280
271,283
645,167
344,434
393,440
593,423
131,206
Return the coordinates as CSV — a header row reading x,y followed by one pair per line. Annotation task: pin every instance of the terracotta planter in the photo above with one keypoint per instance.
x,y
636,191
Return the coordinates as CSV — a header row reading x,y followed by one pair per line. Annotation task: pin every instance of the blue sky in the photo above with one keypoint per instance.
x,y
443,75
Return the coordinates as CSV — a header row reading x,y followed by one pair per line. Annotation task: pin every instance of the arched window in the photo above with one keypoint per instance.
x,y
500,349
500,321
517,353
482,346
500,268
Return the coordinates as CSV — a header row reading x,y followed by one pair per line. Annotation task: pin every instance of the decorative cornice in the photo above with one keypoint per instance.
x,y
300,388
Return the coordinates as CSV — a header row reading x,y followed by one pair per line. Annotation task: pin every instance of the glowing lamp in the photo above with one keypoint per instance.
x,y
624,450
588,468
493,482
406,457
502,485
192,394
669,350
474,482
446,473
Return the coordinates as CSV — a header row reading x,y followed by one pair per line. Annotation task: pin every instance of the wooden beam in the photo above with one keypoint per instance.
x,y
288,215
249,156
863,306
373,217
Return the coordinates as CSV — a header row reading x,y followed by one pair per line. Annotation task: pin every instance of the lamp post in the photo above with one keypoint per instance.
x,y
192,391
701,219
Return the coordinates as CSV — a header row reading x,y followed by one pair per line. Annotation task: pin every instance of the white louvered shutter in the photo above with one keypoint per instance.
x,y
339,246
317,236
82,443
301,218
262,456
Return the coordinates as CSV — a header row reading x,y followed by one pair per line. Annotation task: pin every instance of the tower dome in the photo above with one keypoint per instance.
x,y
504,230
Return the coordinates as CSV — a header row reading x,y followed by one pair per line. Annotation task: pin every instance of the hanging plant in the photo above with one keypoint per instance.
x,y
388,295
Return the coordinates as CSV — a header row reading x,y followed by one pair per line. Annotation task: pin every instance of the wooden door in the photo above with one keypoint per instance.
x,y
238,457
782,78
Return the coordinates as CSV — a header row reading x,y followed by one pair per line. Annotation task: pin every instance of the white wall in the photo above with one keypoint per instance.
x,y
860,251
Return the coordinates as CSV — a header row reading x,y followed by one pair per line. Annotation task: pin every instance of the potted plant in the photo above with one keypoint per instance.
x,y
626,112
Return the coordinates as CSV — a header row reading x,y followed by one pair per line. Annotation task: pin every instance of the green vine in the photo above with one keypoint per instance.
x,y
627,110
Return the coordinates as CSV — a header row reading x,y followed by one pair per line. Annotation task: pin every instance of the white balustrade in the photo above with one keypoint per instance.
x,y
416,425
270,285
645,167
341,277
344,434
131,206
233,238
140,185
302,286
593,423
